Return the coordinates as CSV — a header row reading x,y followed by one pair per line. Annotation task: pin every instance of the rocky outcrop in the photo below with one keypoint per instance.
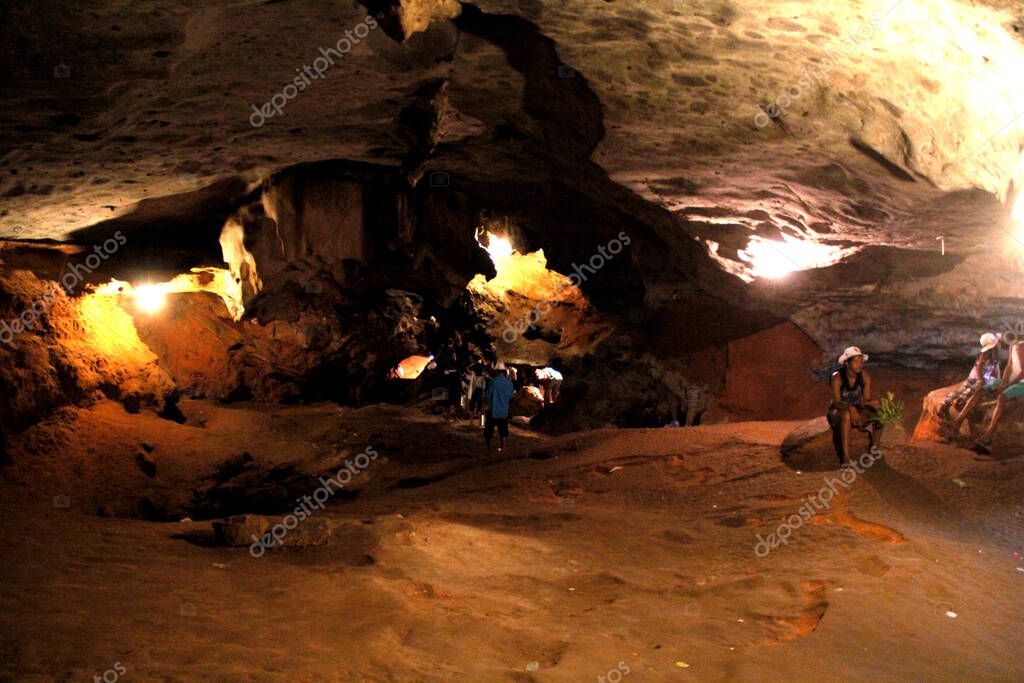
x,y
78,349
354,225
607,120
331,345
402,18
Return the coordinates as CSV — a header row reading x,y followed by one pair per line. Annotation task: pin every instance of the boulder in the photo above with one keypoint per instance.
x,y
527,402
239,530
311,532
1007,436
929,426
78,349
810,447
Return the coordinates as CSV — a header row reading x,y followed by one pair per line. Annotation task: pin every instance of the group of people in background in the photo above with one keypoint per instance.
x,y
484,390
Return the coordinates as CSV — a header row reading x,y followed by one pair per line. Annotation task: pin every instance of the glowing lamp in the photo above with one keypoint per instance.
x,y
149,298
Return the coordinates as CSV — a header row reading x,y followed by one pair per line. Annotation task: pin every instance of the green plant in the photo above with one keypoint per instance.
x,y
890,411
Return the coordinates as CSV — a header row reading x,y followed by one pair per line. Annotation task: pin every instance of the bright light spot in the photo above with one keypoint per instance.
x,y
500,249
150,298
775,259
525,274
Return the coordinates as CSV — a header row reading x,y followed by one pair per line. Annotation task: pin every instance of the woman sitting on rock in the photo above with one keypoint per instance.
x,y
1010,388
851,404
984,378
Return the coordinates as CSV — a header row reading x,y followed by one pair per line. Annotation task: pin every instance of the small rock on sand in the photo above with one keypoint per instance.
x,y
238,530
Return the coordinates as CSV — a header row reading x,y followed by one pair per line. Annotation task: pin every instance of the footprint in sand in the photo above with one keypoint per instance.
x,y
873,566
754,610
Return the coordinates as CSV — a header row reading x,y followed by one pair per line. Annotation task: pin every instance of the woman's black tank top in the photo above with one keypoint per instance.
x,y
852,395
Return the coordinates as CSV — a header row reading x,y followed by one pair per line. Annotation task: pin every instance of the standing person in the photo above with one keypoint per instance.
x,y
984,378
451,378
497,398
476,399
851,404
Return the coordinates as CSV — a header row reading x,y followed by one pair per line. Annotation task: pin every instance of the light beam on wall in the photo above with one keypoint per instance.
x,y
774,258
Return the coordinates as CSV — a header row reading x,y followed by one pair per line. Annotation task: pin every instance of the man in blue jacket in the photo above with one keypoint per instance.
x,y
497,397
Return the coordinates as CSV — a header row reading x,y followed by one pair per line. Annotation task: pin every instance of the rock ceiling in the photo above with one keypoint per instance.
x,y
869,128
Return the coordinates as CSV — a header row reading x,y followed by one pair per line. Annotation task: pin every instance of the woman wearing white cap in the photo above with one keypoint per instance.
x,y
850,407
984,375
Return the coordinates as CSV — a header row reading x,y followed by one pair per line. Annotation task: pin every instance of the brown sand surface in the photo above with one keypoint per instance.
x,y
561,559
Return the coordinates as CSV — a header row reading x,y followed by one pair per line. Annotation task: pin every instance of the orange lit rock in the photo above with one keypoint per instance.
x,y
769,377
80,348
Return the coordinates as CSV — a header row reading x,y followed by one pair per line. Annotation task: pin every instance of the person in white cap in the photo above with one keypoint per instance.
x,y
851,404
1010,388
985,375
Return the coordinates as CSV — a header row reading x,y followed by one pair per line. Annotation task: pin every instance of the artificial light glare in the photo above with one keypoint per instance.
x,y
774,259
500,249
149,298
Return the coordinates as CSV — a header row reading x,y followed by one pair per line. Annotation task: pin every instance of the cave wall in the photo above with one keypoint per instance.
x,y
595,120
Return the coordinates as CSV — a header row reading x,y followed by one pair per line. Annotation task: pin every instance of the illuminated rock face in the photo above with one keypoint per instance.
x,y
78,350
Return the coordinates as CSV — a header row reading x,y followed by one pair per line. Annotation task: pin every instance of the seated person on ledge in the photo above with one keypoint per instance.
x,y
983,380
851,404
1010,388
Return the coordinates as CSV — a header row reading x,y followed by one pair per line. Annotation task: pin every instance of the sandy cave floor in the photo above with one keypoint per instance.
x,y
579,553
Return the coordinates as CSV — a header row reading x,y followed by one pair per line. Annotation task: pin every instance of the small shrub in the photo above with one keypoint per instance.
x,y
890,411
